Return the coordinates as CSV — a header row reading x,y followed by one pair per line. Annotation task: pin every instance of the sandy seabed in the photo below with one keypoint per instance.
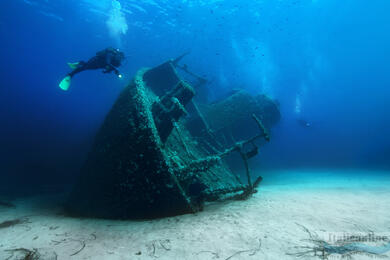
x,y
273,224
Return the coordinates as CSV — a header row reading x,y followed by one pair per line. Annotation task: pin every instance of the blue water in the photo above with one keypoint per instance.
x,y
325,61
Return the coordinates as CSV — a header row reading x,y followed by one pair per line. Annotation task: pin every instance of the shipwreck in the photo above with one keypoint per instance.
x,y
161,153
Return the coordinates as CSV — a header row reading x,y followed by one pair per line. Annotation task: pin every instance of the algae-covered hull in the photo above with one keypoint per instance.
x,y
144,163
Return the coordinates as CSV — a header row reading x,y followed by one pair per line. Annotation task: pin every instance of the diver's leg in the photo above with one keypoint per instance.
x,y
94,63
80,67
91,64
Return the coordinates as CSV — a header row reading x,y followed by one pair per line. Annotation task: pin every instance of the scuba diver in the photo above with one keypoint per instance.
x,y
108,59
303,123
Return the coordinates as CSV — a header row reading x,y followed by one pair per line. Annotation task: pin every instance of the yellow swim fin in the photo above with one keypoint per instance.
x,y
73,65
65,83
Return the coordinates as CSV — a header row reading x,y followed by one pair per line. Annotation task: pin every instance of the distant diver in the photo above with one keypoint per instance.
x,y
303,123
108,59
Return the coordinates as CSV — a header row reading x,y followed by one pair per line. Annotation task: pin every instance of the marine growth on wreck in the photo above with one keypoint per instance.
x,y
160,153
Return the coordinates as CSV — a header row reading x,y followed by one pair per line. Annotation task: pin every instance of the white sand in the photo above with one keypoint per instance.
x,y
266,227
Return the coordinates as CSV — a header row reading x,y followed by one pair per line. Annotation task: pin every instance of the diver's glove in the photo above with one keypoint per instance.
x,y
118,74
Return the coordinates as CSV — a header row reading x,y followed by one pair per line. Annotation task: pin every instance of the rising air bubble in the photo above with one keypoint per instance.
x,y
116,23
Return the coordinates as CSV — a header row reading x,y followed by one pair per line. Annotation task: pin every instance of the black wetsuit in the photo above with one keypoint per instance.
x,y
108,59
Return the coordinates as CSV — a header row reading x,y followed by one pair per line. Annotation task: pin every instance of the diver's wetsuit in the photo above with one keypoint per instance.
x,y
108,59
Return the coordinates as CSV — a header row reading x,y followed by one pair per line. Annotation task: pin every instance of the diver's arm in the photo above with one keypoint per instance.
x,y
116,71
109,68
